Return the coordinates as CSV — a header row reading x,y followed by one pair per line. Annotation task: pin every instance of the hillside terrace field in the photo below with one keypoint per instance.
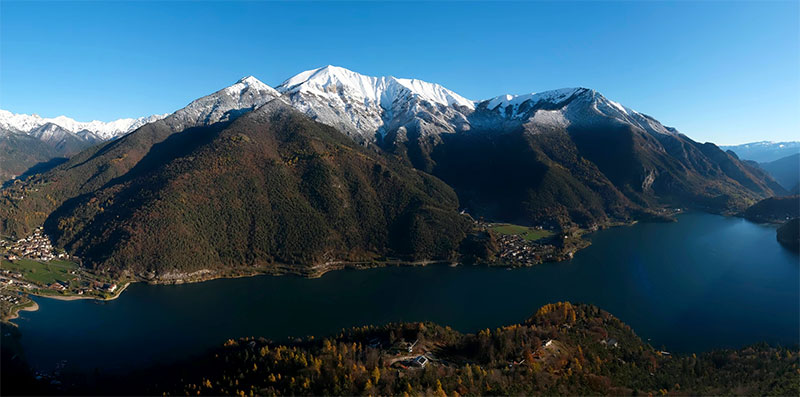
x,y
527,233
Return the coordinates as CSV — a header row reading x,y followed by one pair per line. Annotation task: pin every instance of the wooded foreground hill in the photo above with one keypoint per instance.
x,y
564,349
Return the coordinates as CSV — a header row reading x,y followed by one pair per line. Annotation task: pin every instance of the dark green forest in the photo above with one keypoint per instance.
x,y
274,187
774,209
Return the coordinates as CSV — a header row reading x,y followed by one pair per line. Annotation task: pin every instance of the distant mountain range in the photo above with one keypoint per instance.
x,y
27,140
780,159
764,151
786,171
332,165
94,130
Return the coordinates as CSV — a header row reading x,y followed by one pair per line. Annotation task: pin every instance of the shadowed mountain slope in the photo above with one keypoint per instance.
x,y
272,187
564,158
785,170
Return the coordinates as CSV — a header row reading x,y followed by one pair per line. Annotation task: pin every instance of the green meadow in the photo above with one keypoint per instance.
x,y
42,273
528,233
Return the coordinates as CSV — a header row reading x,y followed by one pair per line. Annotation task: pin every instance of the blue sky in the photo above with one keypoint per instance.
x,y
727,72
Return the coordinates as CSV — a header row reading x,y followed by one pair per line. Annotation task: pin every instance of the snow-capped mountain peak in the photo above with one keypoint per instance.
x,y
251,83
363,106
250,80
226,104
367,108
565,106
333,80
24,123
377,90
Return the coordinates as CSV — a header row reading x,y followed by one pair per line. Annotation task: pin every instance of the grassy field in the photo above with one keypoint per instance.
x,y
42,273
528,233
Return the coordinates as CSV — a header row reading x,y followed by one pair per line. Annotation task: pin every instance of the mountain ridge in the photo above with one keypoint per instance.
x,y
25,123
378,92
764,151
567,159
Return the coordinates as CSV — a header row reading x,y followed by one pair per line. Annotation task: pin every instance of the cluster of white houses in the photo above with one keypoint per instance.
x,y
10,299
37,246
14,279
516,250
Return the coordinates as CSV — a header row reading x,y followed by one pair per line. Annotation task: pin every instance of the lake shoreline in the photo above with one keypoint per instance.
x,y
79,297
35,306
686,286
32,307
317,271
320,270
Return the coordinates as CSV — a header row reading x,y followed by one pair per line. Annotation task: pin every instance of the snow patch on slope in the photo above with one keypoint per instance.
x,y
552,118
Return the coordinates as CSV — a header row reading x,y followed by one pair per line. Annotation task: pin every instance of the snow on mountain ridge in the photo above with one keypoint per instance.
x,y
375,90
554,96
25,123
225,104
248,83
516,102
565,107
366,107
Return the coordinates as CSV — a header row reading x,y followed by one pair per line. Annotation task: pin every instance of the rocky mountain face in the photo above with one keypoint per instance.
x,y
224,105
368,108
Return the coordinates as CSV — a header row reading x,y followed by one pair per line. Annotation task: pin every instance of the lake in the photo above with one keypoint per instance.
x,y
704,282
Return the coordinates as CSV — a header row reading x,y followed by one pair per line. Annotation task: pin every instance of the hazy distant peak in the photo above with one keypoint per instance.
x,y
24,123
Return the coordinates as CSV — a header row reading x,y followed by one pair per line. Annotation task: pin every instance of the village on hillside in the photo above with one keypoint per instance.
x,y
37,246
32,265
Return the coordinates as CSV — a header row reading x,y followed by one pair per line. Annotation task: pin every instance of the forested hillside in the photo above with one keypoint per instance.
x,y
273,187
563,349
774,209
21,152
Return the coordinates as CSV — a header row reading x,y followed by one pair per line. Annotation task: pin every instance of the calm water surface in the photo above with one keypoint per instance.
x,y
704,282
